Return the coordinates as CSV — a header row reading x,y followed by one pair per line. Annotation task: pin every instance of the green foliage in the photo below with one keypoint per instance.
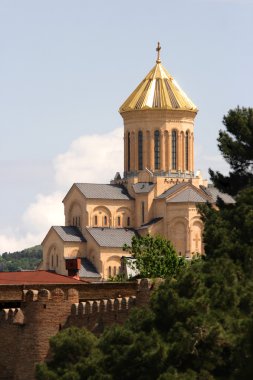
x,y
236,146
27,259
199,326
75,357
154,256
228,231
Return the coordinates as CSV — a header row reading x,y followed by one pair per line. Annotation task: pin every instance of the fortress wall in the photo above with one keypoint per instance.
x,y
25,331
85,290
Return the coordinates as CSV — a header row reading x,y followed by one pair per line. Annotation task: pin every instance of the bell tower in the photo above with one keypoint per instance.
x,y
158,127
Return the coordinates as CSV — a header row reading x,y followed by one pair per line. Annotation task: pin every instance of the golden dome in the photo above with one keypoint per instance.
x,y
158,90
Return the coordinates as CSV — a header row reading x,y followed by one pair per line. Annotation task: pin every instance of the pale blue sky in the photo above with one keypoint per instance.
x,y
66,67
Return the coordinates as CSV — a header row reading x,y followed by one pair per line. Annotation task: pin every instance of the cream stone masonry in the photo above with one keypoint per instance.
x,y
158,193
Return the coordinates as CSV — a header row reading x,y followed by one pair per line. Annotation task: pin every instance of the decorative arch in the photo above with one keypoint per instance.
x,y
113,264
101,216
178,234
196,235
52,257
74,214
123,217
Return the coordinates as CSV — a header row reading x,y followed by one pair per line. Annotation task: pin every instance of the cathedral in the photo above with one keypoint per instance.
x,y
157,194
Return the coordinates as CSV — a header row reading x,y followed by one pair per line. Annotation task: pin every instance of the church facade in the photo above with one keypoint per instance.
x,y
157,194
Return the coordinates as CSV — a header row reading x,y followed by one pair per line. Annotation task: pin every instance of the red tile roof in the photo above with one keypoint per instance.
x,y
36,277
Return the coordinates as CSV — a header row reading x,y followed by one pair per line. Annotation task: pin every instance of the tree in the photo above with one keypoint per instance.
x,y
236,146
154,256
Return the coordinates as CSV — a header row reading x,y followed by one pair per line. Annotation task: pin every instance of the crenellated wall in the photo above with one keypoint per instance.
x,y
25,331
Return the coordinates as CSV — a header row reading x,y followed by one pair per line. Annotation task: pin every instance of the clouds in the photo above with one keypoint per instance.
x,y
90,158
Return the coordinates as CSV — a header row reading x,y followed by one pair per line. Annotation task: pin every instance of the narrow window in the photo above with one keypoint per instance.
x,y
128,221
140,150
109,271
187,151
143,211
52,261
174,150
79,221
105,220
128,151
157,150
118,221
73,221
114,271
96,220
57,260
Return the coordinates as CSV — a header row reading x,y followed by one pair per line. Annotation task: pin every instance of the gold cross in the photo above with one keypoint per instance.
x,y
158,52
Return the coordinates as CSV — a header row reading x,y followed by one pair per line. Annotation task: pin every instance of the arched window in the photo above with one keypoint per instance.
x,y
52,261
109,271
140,150
57,260
128,151
143,211
114,271
174,150
157,150
128,221
105,220
96,220
187,151
118,221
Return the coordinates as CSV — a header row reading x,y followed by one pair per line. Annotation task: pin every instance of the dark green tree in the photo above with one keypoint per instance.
x,y
154,256
236,146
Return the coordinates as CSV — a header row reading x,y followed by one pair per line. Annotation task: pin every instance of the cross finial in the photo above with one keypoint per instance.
x,y
158,60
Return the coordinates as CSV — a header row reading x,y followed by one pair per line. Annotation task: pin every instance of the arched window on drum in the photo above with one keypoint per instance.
x,y
174,150
187,151
157,150
140,150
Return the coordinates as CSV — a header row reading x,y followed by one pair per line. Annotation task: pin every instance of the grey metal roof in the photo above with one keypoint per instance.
x,y
111,237
153,221
188,195
69,233
103,191
88,269
214,193
143,187
172,189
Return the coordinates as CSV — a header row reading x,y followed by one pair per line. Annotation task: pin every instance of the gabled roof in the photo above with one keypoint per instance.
x,y
35,277
187,195
172,190
185,192
69,233
111,237
88,269
214,193
143,187
102,191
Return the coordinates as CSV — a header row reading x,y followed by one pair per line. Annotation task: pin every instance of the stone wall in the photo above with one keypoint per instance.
x,y
25,331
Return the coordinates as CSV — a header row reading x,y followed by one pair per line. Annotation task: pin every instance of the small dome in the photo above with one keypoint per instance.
x,y
158,90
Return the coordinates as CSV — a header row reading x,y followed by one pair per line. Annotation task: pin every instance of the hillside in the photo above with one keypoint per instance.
x,y
27,259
